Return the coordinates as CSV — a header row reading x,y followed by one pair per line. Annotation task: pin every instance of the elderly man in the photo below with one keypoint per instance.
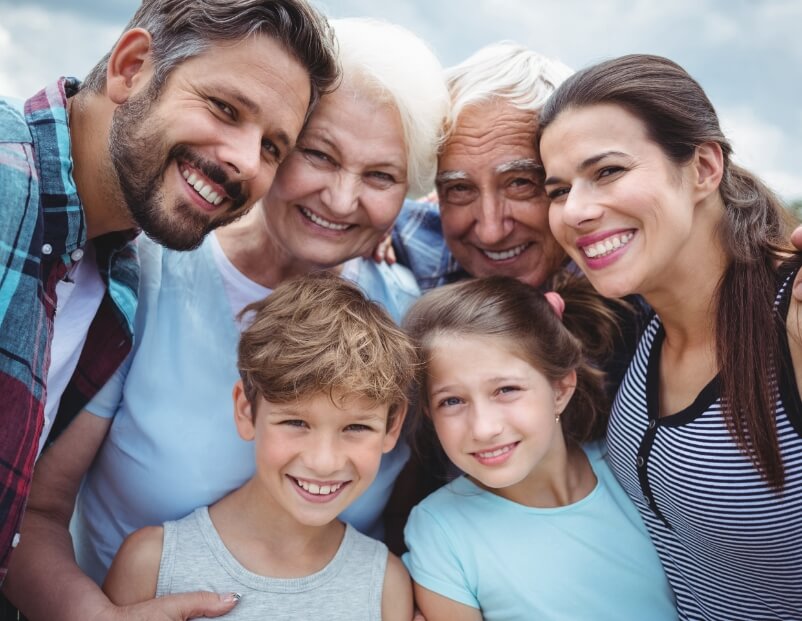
x,y
178,130
492,207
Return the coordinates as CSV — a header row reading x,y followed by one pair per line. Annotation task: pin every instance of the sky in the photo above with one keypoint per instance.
x,y
747,54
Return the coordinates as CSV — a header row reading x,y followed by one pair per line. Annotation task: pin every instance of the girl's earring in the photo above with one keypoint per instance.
x,y
557,419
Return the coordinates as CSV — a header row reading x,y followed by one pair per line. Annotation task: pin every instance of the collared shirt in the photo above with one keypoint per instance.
x,y
419,245
42,232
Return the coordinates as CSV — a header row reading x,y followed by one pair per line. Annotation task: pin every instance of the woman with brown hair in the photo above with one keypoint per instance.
x,y
706,430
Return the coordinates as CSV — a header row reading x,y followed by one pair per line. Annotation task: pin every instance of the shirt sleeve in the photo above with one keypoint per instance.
x,y
434,561
107,400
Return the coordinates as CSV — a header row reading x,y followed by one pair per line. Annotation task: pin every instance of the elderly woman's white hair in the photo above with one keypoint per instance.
x,y
403,71
503,71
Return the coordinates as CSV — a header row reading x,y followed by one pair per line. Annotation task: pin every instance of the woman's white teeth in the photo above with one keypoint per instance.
x,y
202,188
606,246
324,223
495,453
505,254
319,490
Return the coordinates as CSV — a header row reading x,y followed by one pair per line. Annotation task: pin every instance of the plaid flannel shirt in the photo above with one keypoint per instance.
x,y
419,245
42,231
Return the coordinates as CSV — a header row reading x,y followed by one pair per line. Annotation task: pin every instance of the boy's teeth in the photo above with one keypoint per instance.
x,y
606,246
505,254
324,223
495,453
202,188
319,490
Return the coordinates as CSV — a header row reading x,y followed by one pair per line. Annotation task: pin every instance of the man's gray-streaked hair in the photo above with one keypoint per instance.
x,y
182,29
503,71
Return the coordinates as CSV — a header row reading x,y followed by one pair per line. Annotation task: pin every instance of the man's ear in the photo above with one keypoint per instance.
x,y
708,168
563,391
130,66
391,438
244,413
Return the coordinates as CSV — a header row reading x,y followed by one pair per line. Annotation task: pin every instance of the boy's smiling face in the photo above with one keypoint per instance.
x,y
317,455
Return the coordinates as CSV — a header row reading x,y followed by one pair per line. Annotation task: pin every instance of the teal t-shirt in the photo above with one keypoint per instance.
x,y
590,560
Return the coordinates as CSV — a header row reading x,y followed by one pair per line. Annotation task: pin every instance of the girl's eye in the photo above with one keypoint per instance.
x,y
504,390
449,402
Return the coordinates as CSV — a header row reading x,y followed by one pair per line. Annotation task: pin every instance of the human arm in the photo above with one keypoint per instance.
x,y
134,571
396,591
44,581
435,607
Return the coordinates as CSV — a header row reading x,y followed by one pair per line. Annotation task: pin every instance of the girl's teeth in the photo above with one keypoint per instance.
x,y
496,453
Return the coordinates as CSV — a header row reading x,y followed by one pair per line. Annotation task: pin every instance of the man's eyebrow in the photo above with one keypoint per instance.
x,y
451,175
585,164
523,165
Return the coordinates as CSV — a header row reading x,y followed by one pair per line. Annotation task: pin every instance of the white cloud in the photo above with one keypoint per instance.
x,y
764,148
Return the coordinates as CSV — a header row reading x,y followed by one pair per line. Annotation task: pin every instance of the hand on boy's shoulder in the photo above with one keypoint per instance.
x,y
397,592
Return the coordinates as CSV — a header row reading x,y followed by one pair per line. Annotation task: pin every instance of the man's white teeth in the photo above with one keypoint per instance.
x,y
606,246
505,254
202,188
324,223
495,453
319,490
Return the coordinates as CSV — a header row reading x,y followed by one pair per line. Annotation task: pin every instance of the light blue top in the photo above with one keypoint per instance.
x,y
590,560
173,445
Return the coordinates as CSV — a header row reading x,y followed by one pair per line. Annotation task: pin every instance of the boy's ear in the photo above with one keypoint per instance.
x,y
563,391
391,438
244,413
130,66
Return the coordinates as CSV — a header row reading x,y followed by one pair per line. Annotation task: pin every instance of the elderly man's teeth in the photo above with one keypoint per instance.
x,y
505,254
324,223
202,188
318,490
606,246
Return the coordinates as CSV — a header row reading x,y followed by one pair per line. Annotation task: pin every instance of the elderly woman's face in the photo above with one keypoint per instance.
x,y
341,189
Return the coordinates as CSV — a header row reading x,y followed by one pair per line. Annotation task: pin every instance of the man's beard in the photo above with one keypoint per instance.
x,y
138,155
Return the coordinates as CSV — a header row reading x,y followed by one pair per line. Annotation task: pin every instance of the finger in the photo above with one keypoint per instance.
x,y
184,606
389,255
796,238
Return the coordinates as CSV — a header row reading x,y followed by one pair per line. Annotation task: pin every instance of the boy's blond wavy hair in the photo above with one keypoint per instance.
x,y
320,334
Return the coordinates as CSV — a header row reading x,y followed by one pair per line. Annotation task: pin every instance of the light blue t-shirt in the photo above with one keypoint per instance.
x,y
173,445
590,560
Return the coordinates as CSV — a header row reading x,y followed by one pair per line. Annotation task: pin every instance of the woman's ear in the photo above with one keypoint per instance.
x,y
708,167
129,67
244,413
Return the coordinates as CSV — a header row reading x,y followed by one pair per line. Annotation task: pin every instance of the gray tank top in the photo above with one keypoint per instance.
x,y
349,588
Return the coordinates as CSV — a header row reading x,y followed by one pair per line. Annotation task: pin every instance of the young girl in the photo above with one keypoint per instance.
x,y
537,528
322,397
706,431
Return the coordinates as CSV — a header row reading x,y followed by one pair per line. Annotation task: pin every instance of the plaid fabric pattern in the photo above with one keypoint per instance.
x,y
42,230
419,245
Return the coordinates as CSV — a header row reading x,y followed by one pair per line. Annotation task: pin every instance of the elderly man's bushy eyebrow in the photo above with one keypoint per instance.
x,y
523,165
451,175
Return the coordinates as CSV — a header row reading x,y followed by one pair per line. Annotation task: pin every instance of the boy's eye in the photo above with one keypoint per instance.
x,y
294,422
358,427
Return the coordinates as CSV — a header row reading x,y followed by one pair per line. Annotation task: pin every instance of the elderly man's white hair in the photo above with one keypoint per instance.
x,y
507,72
394,65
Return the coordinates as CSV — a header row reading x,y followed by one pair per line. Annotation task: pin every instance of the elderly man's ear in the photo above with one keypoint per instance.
x,y
130,68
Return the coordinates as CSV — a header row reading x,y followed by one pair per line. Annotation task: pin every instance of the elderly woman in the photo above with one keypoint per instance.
x,y
172,445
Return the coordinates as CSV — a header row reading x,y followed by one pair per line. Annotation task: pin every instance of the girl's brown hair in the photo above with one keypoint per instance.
x,y
506,308
679,117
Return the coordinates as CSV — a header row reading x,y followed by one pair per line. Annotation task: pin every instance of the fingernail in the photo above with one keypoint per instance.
x,y
232,597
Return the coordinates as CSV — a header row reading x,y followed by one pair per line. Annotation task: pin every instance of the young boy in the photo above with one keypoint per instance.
x,y
324,374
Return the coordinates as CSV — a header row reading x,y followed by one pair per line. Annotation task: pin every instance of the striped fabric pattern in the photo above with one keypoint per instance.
x,y
731,547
